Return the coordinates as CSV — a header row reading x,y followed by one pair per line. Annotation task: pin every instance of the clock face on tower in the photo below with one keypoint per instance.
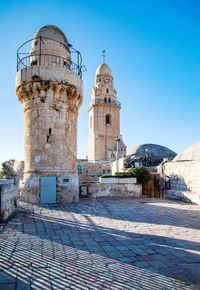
x,y
106,79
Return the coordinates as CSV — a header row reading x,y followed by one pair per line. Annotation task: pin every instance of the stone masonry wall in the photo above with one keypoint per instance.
x,y
119,165
8,196
91,171
17,167
50,111
103,136
114,190
184,180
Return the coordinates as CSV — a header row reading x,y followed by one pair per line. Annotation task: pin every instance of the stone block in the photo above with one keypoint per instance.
x,y
118,180
8,195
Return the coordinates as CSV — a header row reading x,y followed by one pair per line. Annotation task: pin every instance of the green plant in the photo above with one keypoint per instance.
x,y
5,170
141,173
35,77
47,82
121,175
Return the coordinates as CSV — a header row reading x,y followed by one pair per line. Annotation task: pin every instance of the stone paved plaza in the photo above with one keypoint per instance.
x,y
102,244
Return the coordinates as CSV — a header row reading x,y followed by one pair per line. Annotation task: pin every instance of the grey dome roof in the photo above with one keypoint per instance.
x,y
54,42
103,69
154,151
52,32
190,153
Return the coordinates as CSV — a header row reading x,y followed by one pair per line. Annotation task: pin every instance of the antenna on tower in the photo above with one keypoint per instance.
x,y
103,54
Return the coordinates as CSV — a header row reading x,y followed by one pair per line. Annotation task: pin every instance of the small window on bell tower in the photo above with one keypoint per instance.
x,y
108,119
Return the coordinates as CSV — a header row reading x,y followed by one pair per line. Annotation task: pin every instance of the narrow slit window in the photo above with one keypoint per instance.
x,y
108,119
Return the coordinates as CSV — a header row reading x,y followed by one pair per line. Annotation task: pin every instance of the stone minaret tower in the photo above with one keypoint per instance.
x,y
49,86
104,118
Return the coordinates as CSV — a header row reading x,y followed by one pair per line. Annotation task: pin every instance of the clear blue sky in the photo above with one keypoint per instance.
x,y
152,47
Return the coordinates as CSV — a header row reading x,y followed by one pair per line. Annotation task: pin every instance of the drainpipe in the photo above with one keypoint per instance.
x,y
0,204
117,155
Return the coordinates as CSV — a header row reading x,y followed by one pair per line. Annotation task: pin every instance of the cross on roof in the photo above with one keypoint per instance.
x,y
103,51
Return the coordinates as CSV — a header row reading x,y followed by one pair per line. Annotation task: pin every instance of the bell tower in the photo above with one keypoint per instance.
x,y
104,118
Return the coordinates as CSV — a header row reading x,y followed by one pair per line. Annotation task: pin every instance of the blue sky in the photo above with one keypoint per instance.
x,y
152,47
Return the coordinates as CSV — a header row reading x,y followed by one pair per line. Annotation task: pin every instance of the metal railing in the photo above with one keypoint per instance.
x,y
27,59
49,59
105,101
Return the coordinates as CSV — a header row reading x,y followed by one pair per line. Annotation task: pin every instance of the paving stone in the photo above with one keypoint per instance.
x,y
141,264
6,278
9,286
102,244
157,264
122,248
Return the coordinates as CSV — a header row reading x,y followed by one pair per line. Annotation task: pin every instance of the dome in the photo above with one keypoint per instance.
x,y
52,32
190,153
103,69
52,48
153,151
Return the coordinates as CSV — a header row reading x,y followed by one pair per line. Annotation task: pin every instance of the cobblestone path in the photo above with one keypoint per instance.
x,y
102,244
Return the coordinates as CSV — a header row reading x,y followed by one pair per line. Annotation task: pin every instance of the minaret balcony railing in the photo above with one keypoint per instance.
x,y
26,59
105,102
49,59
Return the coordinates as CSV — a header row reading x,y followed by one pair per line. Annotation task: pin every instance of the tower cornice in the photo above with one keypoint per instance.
x,y
40,88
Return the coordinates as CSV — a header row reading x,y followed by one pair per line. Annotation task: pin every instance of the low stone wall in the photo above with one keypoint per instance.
x,y
184,178
8,196
187,196
109,190
115,180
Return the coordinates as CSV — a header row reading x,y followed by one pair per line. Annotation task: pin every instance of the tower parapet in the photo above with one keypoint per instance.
x,y
49,86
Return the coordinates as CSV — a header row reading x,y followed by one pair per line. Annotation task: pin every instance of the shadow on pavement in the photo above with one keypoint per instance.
x,y
52,247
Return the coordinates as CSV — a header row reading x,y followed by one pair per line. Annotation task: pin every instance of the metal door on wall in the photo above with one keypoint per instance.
x,y
48,189
83,191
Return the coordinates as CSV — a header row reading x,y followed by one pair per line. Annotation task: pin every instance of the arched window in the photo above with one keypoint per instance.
x,y
107,91
105,100
108,119
100,79
109,100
